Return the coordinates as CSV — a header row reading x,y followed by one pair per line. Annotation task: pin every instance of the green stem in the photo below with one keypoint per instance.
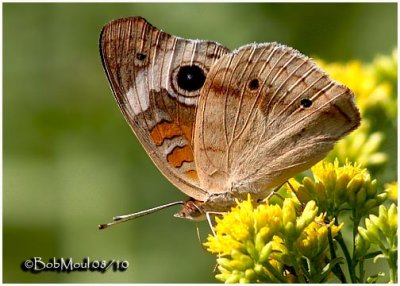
x,y
337,270
347,256
361,270
349,261
392,275
354,260
392,260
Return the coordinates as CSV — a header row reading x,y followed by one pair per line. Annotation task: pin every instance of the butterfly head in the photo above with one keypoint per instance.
x,y
192,210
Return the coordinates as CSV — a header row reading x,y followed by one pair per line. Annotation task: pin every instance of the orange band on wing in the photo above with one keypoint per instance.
x,y
180,155
165,130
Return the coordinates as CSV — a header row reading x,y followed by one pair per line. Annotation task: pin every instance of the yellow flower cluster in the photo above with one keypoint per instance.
x,y
380,231
260,243
336,187
382,227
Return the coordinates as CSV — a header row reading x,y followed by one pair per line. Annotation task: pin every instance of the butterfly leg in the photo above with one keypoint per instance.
x,y
210,222
199,236
211,226
295,194
208,216
274,193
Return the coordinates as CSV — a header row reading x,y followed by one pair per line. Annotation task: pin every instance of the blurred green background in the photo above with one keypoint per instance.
x,y
70,161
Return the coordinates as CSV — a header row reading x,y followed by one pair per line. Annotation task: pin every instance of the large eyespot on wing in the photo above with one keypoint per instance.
x,y
277,113
156,79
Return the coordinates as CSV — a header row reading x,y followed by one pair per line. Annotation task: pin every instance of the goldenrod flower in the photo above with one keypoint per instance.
x,y
335,188
391,189
314,239
260,244
381,231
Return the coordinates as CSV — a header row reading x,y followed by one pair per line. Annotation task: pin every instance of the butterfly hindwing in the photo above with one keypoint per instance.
x,y
267,112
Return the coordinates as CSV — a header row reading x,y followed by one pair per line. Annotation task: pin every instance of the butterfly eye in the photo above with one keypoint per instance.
x,y
190,78
140,56
305,103
254,84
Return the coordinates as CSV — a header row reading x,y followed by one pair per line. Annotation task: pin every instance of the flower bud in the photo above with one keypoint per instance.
x,y
369,204
392,189
321,192
241,263
222,276
259,269
361,196
233,278
381,198
310,186
392,216
224,262
265,252
289,212
372,232
355,184
372,189
363,232
308,215
362,245
340,188
250,274
250,248
259,241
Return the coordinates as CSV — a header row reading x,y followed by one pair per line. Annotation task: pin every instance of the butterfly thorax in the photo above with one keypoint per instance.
x,y
193,209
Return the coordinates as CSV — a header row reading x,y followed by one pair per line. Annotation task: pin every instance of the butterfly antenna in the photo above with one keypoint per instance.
x,y
124,218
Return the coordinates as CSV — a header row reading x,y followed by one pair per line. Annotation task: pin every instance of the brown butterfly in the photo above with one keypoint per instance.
x,y
220,124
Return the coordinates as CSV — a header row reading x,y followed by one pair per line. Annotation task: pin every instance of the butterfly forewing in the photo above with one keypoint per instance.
x,y
266,112
156,79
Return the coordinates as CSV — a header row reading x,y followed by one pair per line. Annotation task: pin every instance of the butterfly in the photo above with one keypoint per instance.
x,y
223,124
